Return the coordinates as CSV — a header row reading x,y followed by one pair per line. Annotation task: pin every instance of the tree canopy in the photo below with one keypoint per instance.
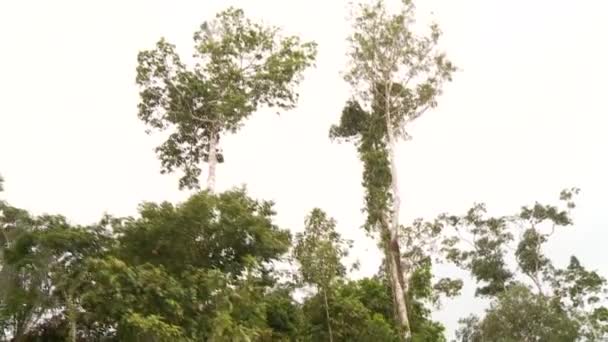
x,y
240,66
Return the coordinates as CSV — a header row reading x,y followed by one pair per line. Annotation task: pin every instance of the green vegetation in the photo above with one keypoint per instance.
x,y
208,269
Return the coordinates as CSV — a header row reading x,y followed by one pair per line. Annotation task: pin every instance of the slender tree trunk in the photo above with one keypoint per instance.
x,y
72,330
212,161
535,278
395,260
71,313
331,335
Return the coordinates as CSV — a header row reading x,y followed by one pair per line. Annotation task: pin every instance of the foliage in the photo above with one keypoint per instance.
x,y
396,75
319,251
23,294
362,310
368,131
356,315
283,314
518,314
207,269
200,270
207,231
240,66
392,65
201,266
42,271
566,304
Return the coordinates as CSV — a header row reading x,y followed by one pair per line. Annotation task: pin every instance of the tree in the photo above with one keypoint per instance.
x,y
396,76
319,251
68,248
518,314
240,66
534,301
418,242
284,315
360,312
23,294
201,270
48,259
469,330
206,232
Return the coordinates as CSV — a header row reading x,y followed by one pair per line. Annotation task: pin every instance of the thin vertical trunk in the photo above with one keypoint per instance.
x,y
535,278
331,335
71,313
72,330
395,260
212,161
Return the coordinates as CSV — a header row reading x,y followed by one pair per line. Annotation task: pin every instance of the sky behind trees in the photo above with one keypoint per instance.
x,y
524,117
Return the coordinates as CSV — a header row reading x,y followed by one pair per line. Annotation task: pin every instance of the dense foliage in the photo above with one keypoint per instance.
x,y
201,270
205,270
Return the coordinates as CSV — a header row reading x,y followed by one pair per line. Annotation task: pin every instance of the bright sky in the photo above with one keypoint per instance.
x,y
524,118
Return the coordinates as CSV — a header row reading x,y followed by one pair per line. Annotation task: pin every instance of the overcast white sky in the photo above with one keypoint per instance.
x,y
524,118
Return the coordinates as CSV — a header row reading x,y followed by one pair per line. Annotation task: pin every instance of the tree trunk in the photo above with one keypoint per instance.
x,y
331,335
398,286
388,263
71,313
212,161
396,272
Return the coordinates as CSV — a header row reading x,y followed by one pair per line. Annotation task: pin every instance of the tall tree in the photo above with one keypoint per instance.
x,y
240,66
396,76
319,251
